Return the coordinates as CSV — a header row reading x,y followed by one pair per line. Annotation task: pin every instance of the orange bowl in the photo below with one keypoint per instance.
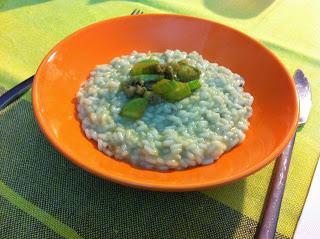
x,y
67,65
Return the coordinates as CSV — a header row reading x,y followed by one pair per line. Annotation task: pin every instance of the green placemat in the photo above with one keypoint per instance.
x,y
42,195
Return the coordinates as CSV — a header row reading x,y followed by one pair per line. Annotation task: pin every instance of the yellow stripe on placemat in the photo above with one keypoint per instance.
x,y
36,212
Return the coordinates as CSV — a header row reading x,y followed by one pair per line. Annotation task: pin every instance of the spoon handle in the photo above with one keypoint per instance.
x,y
15,92
271,211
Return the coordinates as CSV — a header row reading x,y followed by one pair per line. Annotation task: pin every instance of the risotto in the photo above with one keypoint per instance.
x,y
194,130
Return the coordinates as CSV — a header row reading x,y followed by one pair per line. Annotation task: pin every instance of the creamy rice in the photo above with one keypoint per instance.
x,y
190,132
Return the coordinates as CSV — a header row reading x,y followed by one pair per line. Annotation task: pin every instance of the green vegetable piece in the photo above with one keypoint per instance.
x,y
194,84
160,68
172,90
140,90
164,86
169,72
185,72
144,67
184,61
148,61
129,90
134,109
148,77
181,91
150,96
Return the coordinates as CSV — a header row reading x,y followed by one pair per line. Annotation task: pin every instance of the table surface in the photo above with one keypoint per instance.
x,y
42,195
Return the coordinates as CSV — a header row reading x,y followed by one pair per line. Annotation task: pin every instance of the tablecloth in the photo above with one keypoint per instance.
x,y
43,195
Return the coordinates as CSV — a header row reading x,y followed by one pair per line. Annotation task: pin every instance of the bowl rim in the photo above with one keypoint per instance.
x,y
154,186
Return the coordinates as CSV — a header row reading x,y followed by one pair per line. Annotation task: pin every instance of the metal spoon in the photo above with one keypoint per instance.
x,y
269,221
